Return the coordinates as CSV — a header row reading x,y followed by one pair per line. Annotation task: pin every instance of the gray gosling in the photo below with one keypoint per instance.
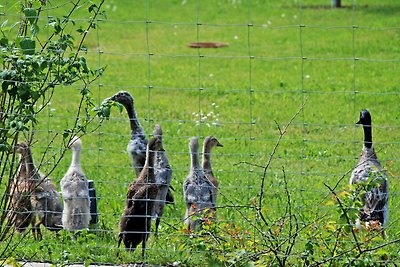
x,y
375,210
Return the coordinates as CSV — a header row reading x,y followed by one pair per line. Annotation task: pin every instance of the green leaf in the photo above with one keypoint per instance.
x,y
91,8
383,254
4,24
24,92
105,112
30,14
34,30
3,41
66,133
28,46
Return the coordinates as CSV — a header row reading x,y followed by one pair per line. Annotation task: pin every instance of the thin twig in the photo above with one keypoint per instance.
x,y
281,134
347,217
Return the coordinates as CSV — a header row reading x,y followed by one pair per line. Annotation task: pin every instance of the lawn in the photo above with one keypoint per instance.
x,y
282,56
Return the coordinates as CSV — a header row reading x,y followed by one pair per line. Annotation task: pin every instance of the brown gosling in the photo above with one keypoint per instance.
x,y
209,143
135,222
45,199
21,213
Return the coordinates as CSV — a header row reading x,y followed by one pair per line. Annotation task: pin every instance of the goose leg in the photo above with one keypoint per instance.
x,y
36,229
158,219
144,244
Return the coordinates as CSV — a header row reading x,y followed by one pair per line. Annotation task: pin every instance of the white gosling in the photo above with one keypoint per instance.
x,y
75,192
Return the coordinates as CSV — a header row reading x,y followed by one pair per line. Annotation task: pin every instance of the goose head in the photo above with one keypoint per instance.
x,y
211,141
155,144
75,143
124,98
194,144
21,148
157,132
365,118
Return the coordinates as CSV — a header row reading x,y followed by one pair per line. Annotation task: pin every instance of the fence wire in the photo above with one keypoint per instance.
x,y
281,58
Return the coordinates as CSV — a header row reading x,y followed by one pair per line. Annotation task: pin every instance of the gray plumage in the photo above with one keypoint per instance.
x,y
209,143
75,192
45,200
198,190
137,144
375,200
163,175
135,222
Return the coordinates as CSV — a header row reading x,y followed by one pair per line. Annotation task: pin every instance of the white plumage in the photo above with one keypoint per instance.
x,y
75,192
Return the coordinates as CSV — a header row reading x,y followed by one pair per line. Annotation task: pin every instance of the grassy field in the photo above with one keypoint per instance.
x,y
281,55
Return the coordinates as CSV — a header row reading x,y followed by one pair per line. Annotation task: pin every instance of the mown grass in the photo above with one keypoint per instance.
x,y
334,61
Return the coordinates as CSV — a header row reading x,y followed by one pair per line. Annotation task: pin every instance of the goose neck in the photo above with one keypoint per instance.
x,y
194,158
207,160
367,136
76,157
149,164
135,124
30,166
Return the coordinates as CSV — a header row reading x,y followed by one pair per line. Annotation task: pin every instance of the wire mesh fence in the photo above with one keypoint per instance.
x,y
282,95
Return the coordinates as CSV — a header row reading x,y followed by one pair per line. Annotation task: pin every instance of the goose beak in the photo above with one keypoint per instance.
x,y
112,98
359,122
219,144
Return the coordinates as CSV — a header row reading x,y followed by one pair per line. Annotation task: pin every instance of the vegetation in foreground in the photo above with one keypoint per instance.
x,y
275,208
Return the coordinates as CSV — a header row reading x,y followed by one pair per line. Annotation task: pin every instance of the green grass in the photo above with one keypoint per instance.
x,y
290,66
